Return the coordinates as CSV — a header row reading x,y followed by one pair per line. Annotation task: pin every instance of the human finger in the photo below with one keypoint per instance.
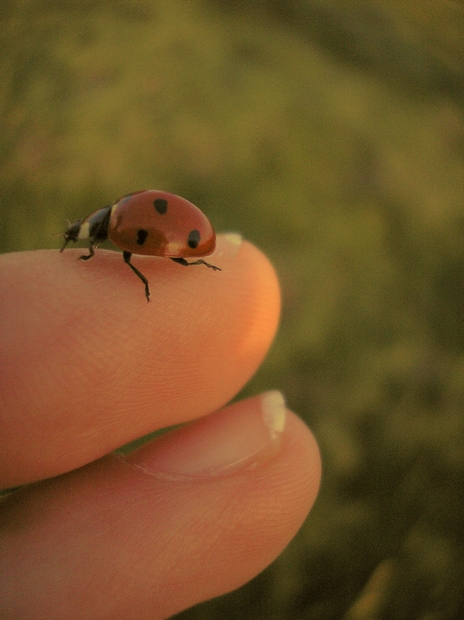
x,y
192,515
88,365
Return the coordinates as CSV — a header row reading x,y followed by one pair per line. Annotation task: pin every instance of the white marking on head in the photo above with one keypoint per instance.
x,y
84,231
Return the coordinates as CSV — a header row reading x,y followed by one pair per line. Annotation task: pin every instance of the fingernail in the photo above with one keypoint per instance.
x,y
228,244
241,436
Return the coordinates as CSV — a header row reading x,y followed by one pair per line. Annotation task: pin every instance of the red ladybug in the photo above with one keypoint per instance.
x,y
148,222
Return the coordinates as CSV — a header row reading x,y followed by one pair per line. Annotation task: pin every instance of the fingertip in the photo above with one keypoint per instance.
x,y
89,365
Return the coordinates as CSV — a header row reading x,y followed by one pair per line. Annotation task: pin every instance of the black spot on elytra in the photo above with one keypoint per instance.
x,y
193,238
141,236
161,205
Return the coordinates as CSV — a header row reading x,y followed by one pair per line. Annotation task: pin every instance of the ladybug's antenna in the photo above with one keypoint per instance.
x,y
66,241
67,238
71,233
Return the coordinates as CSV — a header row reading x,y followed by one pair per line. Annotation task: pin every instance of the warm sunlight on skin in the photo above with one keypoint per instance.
x,y
124,367
88,365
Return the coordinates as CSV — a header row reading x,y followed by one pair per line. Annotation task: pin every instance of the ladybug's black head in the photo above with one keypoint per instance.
x,y
71,233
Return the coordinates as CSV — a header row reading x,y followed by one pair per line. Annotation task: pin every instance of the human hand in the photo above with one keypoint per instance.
x,y
87,365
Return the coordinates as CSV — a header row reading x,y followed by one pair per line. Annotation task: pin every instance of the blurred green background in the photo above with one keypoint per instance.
x,y
331,134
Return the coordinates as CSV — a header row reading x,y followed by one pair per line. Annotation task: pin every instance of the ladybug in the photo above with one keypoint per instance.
x,y
148,222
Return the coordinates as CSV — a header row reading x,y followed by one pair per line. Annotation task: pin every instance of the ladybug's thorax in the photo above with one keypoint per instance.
x,y
84,230
95,226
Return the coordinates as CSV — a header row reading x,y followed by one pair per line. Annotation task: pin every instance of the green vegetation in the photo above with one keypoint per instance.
x,y
332,135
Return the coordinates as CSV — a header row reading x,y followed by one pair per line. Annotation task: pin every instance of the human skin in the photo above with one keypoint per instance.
x,y
87,365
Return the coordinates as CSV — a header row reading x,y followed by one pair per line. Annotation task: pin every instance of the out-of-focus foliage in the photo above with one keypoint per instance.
x,y
332,135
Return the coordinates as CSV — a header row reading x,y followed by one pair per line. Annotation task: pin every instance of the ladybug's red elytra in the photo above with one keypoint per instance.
x,y
149,222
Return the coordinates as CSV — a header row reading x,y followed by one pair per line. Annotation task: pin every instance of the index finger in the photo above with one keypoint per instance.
x,y
88,365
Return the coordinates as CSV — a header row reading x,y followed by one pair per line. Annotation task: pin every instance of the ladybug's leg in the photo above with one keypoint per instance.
x,y
200,261
127,257
87,256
